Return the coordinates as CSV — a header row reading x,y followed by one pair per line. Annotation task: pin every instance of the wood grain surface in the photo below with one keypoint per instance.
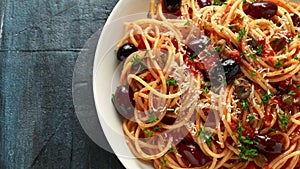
x,y
40,42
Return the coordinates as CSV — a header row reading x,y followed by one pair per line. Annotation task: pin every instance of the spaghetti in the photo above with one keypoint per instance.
x,y
213,85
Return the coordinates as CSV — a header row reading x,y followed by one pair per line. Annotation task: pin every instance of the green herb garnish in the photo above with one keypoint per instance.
x,y
267,97
148,133
187,23
252,73
245,104
206,135
296,57
158,128
163,162
136,60
218,49
219,2
259,50
284,119
152,117
251,117
171,82
292,92
242,32
113,97
279,64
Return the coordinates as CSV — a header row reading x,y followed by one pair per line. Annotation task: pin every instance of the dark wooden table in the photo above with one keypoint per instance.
x,y
40,42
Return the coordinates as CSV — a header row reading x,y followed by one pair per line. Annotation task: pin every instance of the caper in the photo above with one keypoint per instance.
x,y
242,92
287,99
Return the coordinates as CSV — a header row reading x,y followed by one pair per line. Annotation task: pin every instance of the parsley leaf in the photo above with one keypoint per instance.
x,y
163,162
292,92
219,2
252,73
284,119
296,58
245,153
259,50
152,117
206,135
148,133
251,117
187,23
244,1
279,64
218,48
267,97
171,82
206,90
245,104
242,32
159,128
113,97
172,150
136,60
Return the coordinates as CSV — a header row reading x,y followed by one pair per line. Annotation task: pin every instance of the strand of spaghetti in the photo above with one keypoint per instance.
x,y
282,78
224,159
284,159
281,156
154,156
168,96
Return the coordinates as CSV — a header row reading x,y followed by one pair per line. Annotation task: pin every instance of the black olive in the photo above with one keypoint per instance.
x,y
125,50
295,18
242,92
192,154
261,9
204,3
172,6
231,68
123,101
266,144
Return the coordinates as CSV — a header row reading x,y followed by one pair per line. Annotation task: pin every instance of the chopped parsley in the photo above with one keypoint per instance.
x,y
158,128
251,117
113,97
206,135
292,92
266,97
148,133
206,90
259,50
252,73
284,119
218,48
246,153
171,82
172,150
187,23
272,130
163,162
299,36
298,86
242,32
136,60
290,40
279,64
244,1
296,57
219,2
193,57
245,104
152,117
252,56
